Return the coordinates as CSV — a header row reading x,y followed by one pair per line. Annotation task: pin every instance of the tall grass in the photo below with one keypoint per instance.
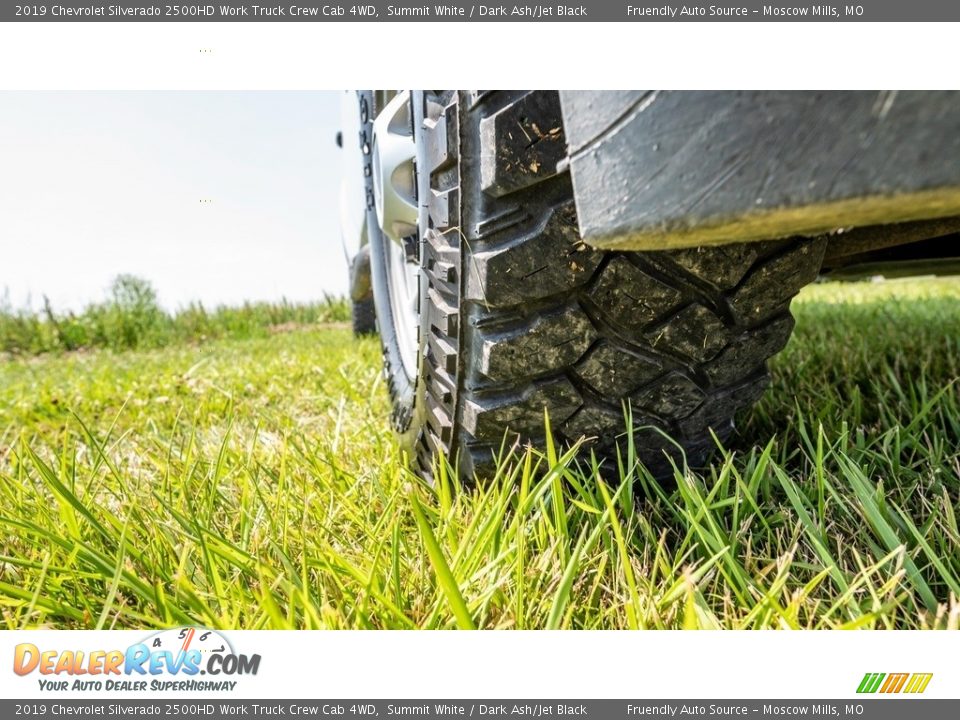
x,y
254,483
132,318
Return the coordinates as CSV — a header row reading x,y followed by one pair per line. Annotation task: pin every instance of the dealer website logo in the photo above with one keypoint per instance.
x,y
167,660
894,683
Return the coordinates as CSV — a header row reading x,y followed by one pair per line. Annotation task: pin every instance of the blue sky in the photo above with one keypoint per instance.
x,y
93,184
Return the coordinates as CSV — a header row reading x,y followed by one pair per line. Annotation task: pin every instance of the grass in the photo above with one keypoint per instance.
x,y
131,318
253,483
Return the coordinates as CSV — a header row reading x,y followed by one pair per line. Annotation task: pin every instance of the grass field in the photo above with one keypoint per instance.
x,y
131,318
253,483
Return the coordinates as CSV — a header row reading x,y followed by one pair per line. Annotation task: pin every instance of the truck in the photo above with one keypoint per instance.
x,y
620,263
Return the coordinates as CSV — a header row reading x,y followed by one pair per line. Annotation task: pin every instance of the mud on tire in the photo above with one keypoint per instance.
x,y
518,315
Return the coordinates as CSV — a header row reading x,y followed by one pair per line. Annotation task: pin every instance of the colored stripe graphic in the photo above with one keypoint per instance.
x,y
918,682
870,682
894,683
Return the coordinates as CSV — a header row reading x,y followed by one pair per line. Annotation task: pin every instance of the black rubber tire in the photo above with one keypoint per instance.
x,y
363,310
519,316
363,315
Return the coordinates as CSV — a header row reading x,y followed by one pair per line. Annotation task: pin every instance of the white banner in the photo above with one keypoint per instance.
x,y
290,56
515,664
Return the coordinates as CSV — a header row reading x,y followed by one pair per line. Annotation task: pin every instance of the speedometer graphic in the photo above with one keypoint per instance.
x,y
182,639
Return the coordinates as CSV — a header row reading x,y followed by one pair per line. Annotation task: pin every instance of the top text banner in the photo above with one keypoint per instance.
x,y
460,11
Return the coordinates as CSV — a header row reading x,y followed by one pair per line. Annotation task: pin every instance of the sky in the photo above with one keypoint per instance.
x,y
219,197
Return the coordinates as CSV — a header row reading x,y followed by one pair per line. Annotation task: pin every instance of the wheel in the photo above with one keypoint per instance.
x,y
492,310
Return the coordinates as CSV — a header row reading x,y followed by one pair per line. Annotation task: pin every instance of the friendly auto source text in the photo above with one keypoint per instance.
x,y
672,11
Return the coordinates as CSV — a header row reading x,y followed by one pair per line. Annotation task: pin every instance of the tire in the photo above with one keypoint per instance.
x,y
518,316
363,313
363,316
